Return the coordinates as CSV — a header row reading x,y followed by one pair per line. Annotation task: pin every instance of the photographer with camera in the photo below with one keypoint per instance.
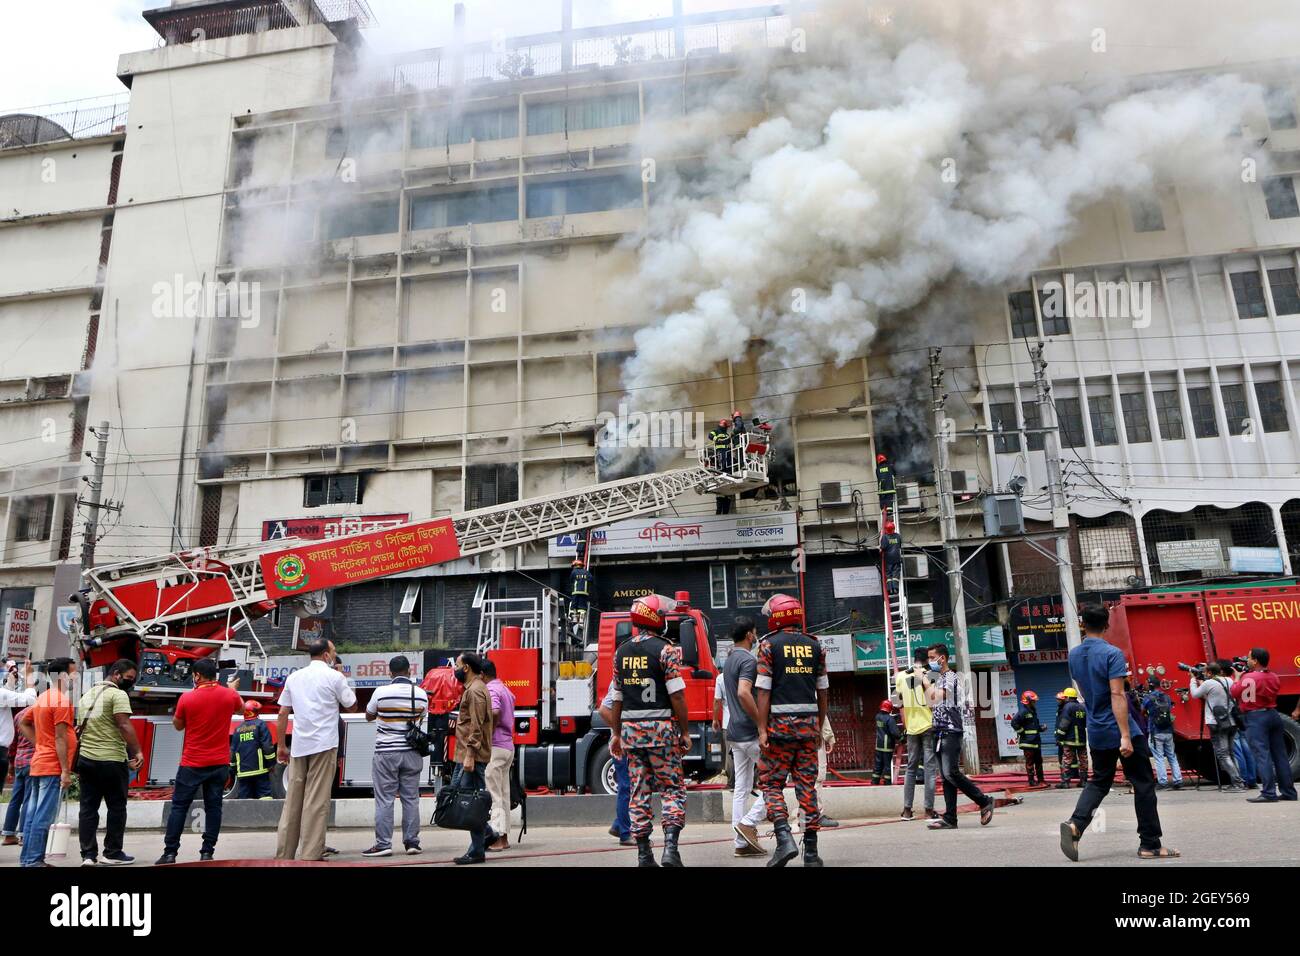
x,y
1256,692
1209,686
918,728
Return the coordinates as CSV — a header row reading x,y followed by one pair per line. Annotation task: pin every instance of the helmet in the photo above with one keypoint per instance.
x,y
1060,695
735,413
251,708
724,421
1028,697
1071,693
782,610
889,527
881,459
577,562
887,705
649,612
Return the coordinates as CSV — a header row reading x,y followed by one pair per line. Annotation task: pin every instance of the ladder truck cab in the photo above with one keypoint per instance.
x,y
562,742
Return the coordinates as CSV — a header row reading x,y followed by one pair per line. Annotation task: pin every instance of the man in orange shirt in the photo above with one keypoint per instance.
x,y
53,721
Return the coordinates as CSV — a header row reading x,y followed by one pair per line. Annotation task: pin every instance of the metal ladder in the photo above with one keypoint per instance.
x,y
538,619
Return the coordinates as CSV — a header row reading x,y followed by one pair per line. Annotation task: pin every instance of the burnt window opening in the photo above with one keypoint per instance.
x,y
321,490
33,518
488,485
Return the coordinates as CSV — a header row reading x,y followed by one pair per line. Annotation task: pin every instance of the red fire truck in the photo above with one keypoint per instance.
x,y
1162,629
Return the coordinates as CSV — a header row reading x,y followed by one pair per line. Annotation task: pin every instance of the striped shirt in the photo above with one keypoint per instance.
x,y
396,705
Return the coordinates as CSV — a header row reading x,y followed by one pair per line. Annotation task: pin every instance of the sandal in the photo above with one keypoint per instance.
x,y
1069,842
1164,853
986,813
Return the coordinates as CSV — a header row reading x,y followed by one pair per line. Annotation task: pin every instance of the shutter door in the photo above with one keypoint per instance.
x,y
1045,680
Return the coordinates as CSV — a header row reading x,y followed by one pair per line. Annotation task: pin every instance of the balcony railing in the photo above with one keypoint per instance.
x,y
73,119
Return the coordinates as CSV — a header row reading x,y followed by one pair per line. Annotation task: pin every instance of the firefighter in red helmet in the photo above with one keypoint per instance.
x,y
1029,731
252,755
884,484
887,736
651,726
891,547
792,686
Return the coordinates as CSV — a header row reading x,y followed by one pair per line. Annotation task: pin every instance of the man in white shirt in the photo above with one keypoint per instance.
x,y
15,694
314,696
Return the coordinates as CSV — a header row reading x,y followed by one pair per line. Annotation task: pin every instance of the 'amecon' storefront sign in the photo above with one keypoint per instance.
x,y
667,534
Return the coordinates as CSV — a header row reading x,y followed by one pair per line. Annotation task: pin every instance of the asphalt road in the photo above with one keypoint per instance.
x,y
1209,828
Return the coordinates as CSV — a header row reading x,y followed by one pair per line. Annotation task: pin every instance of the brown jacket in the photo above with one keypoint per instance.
x,y
474,721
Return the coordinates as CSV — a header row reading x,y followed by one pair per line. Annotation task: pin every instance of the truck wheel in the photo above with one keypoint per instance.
x,y
277,781
231,783
600,771
1291,740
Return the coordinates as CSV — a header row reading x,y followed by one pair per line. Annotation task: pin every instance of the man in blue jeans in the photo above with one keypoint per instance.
x,y
622,826
1256,692
52,723
1159,708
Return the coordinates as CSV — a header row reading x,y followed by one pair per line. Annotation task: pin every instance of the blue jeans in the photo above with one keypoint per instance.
x,y
39,810
1264,729
1162,748
14,814
1245,761
190,781
622,820
477,780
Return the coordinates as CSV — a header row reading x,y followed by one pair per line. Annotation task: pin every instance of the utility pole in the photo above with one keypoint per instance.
x,y
92,501
943,434
1056,497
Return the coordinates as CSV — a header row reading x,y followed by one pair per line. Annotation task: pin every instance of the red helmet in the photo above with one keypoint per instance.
x,y
887,705
782,610
251,707
1060,695
881,459
649,613
577,562
724,421
889,527
735,413
1028,697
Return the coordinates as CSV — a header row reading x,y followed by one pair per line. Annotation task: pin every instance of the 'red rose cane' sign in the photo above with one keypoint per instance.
x,y
338,562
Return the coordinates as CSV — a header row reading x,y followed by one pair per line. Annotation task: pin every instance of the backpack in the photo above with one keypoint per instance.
x,y
1162,717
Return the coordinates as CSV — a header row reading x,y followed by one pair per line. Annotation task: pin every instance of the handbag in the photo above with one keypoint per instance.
x,y
1227,716
416,738
460,808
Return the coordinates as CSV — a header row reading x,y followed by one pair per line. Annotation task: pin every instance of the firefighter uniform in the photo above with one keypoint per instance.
x,y
891,545
647,672
792,669
720,442
1029,730
885,484
1072,738
579,588
252,754
887,734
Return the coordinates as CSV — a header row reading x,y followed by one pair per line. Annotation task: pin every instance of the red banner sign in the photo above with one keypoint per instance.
x,y
314,529
359,557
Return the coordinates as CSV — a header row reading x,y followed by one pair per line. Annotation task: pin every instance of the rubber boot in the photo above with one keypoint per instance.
x,y
786,849
810,857
645,854
671,857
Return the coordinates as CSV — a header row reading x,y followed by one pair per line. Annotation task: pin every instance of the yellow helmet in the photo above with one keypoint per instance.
x,y
1071,693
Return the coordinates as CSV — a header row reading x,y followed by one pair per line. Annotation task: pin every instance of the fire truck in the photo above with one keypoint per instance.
x,y
166,612
1160,630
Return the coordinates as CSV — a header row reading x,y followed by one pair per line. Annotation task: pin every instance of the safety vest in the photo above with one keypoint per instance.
x,y
641,673
253,749
719,438
795,658
581,583
1028,728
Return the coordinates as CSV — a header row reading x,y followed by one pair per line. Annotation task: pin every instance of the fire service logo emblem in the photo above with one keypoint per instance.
x,y
290,575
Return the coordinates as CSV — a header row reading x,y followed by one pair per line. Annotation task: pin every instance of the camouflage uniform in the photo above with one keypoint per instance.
x,y
653,761
792,738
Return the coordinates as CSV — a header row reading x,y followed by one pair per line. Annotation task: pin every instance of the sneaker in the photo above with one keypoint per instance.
x,y
118,859
89,861
940,824
749,834
207,856
167,859
1176,785
330,851
906,814
1234,789
378,850
932,814
1261,799
413,849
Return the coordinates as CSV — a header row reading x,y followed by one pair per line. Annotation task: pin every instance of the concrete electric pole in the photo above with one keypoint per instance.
x,y
92,501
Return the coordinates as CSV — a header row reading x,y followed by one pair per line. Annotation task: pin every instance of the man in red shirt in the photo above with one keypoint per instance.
x,y
1256,691
204,714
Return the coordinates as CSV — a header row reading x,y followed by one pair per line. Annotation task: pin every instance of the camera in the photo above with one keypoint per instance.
x,y
1241,663
1198,670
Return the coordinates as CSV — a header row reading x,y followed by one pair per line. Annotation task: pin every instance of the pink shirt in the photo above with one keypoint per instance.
x,y
503,701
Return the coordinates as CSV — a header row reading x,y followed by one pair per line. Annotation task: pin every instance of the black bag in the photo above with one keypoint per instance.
x,y
461,809
416,738
1162,717
519,799
1227,716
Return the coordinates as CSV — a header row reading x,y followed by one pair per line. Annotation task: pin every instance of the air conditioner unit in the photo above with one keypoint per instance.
x,y
916,566
965,485
908,496
836,494
1003,515
920,614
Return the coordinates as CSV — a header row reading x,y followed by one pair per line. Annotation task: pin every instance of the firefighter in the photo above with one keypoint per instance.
x,y
887,734
720,441
1072,737
579,594
649,693
444,697
1029,730
884,484
792,687
252,755
891,546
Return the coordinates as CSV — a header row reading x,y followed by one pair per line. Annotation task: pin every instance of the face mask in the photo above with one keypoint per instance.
x,y
126,685
934,665
460,674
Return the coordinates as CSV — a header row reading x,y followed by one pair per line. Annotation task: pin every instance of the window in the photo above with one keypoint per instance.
x,y
1279,197
488,485
1286,296
1056,317
358,139
1023,323
412,602
1137,423
1101,410
1248,290
457,209
596,112
1280,104
1034,441
1069,415
1235,409
1204,422
440,130
1146,213
1169,415
588,194
717,585
359,219
33,518
1272,406
1003,415
331,490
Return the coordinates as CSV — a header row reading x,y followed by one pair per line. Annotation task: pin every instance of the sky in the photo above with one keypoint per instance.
x,y
52,63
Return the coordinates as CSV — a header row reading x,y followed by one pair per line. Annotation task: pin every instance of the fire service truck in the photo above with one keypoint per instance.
x,y
1168,635
166,612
